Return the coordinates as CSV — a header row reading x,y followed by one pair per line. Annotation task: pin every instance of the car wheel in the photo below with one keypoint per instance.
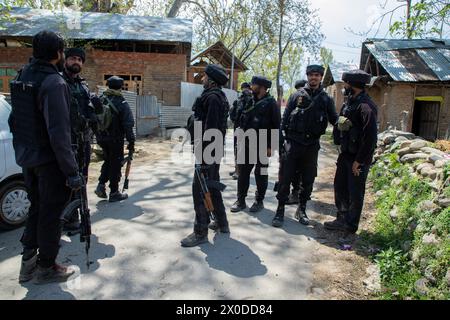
x,y
14,205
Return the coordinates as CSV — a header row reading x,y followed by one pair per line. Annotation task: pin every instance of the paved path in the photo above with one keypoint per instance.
x,y
136,252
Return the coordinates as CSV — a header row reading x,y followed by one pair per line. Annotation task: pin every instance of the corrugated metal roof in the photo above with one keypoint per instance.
x,y
437,62
412,60
337,69
89,25
391,64
403,44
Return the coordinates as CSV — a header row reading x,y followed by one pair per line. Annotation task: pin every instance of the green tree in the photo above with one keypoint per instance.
x,y
326,56
422,18
297,24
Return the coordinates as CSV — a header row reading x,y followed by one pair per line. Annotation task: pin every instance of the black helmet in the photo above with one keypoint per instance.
x,y
357,78
76,52
115,82
217,74
315,68
300,84
262,81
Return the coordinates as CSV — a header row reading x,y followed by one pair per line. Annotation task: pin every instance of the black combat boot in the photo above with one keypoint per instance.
x,y
55,273
257,206
338,225
117,196
278,220
194,239
28,266
239,206
100,191
216,226
300,214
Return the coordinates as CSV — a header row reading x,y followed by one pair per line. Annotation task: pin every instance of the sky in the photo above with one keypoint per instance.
x,y
337,15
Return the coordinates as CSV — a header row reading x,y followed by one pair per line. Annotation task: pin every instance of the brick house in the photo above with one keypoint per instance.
x,y
411,84
152,54
218,54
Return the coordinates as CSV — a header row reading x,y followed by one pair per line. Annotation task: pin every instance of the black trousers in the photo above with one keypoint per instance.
x,y
112,166
48,194
261,177
202,218
300,163
349,190
75,218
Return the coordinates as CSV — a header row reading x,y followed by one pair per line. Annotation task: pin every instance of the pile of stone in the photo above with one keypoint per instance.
x,y
415,151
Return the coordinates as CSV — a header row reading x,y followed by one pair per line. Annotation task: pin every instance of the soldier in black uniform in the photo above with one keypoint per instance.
x,y
211,109
111,140
357,136
296,185
235,113
304,122
262,114
82,117
41,128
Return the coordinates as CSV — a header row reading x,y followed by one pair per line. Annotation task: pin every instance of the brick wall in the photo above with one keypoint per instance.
x,y
399,98
14,57
161,73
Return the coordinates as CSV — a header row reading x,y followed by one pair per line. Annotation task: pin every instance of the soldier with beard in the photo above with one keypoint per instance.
x,y
41,128
304,122
82,117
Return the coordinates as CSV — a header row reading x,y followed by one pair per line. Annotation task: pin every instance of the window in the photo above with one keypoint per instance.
x,y
132,82
6,75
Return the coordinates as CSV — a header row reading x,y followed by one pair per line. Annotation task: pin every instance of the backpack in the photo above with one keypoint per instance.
x,y
104,119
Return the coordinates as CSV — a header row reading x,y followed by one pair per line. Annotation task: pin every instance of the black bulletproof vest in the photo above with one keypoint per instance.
x,y
308,123
257,115
26,121
79,102
350,141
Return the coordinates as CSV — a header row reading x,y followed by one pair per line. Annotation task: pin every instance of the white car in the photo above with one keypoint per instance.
x,y
14,203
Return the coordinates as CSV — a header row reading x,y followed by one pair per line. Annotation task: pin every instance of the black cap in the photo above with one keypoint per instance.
x,y
76,52
315,68
300,84
357,78
217,74
115,82
245,85
262,81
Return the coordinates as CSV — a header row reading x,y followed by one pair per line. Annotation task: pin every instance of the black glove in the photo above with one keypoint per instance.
x,y
75,182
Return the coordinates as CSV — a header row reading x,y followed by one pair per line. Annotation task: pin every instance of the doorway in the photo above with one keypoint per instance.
x,y
426,118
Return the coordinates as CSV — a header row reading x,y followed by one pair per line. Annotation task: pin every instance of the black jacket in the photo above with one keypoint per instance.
x,y
360,142
122,122
262,114
82,111
244,99
324,102
52,108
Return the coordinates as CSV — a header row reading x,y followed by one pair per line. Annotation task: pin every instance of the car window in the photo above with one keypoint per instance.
x,y
5,109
